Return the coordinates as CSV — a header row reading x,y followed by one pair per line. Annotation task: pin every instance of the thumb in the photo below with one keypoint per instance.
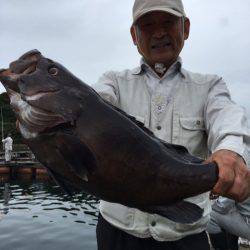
x,y
208,160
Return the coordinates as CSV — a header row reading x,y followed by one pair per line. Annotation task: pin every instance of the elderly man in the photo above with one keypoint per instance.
x,y
179,107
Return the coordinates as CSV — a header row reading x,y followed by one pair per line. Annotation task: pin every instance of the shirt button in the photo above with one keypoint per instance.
x,y
198,122
158,127
153,223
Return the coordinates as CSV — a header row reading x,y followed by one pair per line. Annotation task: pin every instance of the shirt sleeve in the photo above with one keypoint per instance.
x,y
226,122
107,88
223,205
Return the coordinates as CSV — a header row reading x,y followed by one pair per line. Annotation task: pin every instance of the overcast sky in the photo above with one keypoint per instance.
x,y
90,37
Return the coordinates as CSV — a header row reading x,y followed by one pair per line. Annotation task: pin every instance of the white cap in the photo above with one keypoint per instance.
x,y
142,7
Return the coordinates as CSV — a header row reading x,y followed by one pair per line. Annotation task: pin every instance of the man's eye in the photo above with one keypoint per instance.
x,y
168,22
145,25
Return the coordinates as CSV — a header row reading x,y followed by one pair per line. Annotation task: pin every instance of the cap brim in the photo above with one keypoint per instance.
x,y
167,10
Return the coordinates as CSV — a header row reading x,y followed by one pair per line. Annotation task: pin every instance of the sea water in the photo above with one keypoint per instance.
x,y
38,215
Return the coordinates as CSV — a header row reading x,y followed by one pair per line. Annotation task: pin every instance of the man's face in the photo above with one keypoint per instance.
x,y
160,37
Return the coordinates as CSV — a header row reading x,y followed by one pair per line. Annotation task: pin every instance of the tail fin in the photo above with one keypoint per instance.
x,y
182,212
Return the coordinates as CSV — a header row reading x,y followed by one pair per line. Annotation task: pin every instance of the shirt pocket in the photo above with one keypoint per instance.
x,y
193,135
192,123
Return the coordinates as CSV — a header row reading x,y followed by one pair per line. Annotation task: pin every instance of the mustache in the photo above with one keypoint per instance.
x,y
156,43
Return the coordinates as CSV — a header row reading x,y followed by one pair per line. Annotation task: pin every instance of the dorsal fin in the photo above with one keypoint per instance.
x,y
132,118
179,151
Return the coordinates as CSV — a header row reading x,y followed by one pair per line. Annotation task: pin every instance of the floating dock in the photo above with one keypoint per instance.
x,y
22,163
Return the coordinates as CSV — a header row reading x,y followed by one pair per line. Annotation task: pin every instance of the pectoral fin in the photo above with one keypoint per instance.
x,y
182,212
62,182
76,154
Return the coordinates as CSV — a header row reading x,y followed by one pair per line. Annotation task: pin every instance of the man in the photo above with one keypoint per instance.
x,y
180,107
7,144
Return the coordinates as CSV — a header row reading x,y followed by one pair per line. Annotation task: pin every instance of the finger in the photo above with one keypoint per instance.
x,y
235,195
225,181
208,160
240,191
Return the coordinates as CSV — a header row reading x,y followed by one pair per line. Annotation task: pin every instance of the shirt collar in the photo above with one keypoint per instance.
x,y
176,66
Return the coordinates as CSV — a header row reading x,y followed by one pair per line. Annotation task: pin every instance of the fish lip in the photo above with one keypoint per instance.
x,y
9,80
31,53
6,74
36,96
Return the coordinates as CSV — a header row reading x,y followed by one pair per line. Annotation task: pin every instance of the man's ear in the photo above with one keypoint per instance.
x,y
186,28
133,34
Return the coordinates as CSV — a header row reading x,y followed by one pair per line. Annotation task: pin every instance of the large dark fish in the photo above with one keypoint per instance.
x,y
88,144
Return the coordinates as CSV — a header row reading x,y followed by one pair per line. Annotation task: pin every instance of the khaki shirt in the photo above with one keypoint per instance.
x,y
181,107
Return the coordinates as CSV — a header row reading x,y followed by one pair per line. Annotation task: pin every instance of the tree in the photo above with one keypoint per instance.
x,y
9,119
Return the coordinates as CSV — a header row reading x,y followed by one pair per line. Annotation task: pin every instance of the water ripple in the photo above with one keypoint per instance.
x,y
42,213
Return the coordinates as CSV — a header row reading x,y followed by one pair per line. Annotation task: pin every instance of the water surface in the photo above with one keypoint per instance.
x,y
38,215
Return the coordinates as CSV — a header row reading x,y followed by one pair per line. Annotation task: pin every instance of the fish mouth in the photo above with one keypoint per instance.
x,y
32,120
25,65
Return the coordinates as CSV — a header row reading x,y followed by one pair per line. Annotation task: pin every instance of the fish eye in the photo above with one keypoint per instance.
x,y
53,71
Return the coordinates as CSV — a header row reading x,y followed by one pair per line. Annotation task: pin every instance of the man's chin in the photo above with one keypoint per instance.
x,y
166,62
165,58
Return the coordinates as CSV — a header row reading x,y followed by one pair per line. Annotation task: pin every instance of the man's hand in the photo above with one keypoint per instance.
x,y
234,177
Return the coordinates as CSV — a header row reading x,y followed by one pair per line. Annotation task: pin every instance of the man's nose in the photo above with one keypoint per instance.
x,y
160,32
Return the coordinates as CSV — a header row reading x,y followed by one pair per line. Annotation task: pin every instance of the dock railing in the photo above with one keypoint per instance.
x,y
19,158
